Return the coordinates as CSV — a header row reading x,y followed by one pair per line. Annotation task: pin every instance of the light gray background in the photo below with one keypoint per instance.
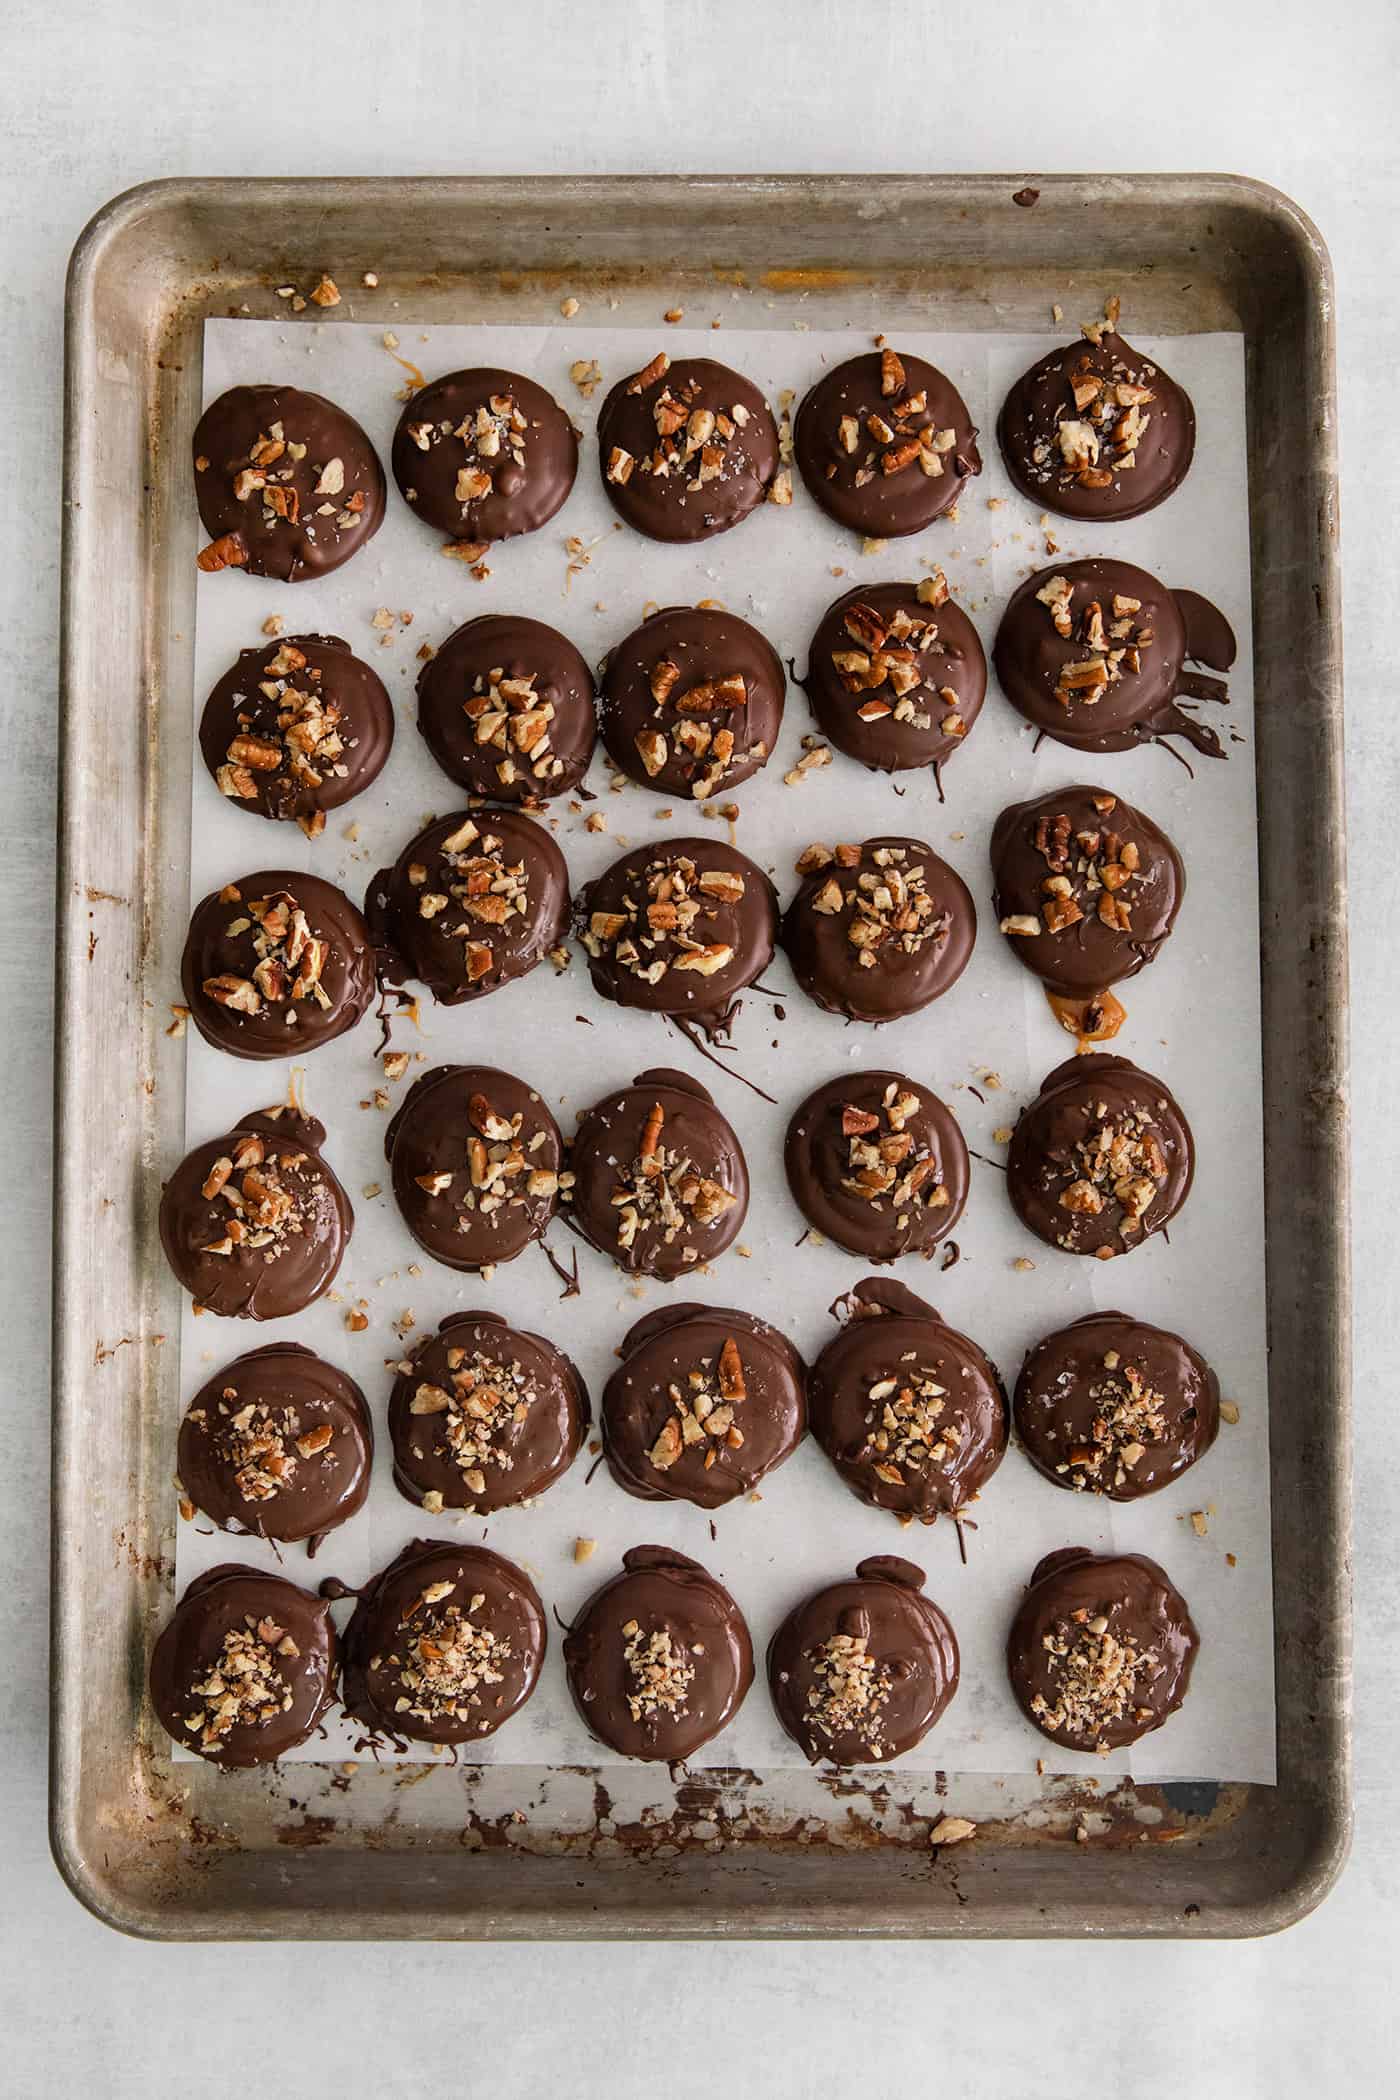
x,y
94,98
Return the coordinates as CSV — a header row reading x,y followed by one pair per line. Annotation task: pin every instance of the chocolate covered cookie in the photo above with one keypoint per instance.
x,y
506,708
484,1416
878,930
910,1412
877,1164
885,444
484,455
278,1444
471,904
659,1659
660,1182
444,1645
1101,1159
1100,1650
679,928
1093,654
475,1158
896,676
287,484
295,728
860,1672
245,1669
254,1223
276,964
692,702
687,448
704,1403
1116,1407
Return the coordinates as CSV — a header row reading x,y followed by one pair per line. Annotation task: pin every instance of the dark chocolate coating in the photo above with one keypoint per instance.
x,y
681,1214
515,485
690,1377
682,1620
484,1416
1101,1131
506,708
464,868
1114,1406
911,965
1118,457
315,738
290,517
869,647
287,1190
500,1149
253,1452
877,1164
467,1686
1157,635
905,1657
677,462
910,1412
1099,1687
711,734
1071,838
277,943
852,482
229,1604
722,901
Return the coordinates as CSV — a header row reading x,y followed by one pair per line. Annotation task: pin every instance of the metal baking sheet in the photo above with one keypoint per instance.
x,y
184,1851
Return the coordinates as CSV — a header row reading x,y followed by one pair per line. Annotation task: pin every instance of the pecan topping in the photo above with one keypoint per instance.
x,y
850,1691
659,1672
1114,647
888,901
245,1688
661,1190
1096,1679
891,1165
474,1416
894,658
1121,1159
664,924
446,1664
289,957
508,716
1129,1415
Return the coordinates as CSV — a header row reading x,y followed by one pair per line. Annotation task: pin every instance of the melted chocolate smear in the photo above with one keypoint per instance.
x,y
386,1015
333,1590
952,1255
588,1476
897,789
584,1019
1026,197
999,1164
938,777
687,1028
1179,756
980,1097
568,1277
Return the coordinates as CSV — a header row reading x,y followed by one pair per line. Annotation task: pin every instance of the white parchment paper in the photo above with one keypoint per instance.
x,y
1193,1019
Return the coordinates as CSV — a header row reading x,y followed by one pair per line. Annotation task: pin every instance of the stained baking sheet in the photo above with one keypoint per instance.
x,y
1193,1018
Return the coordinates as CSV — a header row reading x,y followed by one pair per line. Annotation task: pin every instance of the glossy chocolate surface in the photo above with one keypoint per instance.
x,y
1115,1407
687,448
1101,1159
296,727
475,1157
861,1671
659,1659
878,1164
278,1443
245,1668
506,708
705,1402
1096,430
878,930
660,1180
275,964
680,927
254,1223
483,455
1100,1650
692,702
288,485
896,675
473,902
483,1416
885,444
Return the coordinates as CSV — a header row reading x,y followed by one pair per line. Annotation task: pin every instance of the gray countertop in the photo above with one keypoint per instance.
x,y
96,98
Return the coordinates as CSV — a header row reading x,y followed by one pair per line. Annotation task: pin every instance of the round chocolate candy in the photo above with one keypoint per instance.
x,y
1093,654
659,1659
287,484
660,1182
475,1157
910,1412
679,928
245,1669
1087,888
484,455
295,728
444,1645
877,1164
687,448
896,676
878,930
885,444
484,1416
704,1403
1100,1650
1101,1159
506,708
1116,1407
254,1223
692,702
471,904
277,1444
1096,430
276,964
861,1671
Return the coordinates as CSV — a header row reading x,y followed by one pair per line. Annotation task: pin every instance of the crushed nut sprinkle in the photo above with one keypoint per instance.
x,y
510,717
1120,1160
445,1664
1099,424
245,1688
476,877
694,445
661,1191
704,724
290,958
703,1410
659,1672
889,904
471,1417
896,436
264,1214
850,1692
1097,1680
264,476
260,1445
664,921
1129,1415
1112,647
906,1430
889,664
502,1168
492,436
291,729
1093,869
891,1164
